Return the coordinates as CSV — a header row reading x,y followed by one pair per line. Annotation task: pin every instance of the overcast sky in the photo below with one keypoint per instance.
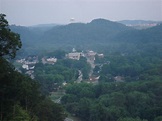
x,y
32,12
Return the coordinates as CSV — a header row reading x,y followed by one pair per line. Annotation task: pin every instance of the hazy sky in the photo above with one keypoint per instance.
x,y
31,12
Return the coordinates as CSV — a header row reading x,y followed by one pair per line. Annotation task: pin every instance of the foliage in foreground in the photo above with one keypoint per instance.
x,y
20,98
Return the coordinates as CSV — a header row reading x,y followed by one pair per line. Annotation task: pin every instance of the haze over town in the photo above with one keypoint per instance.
x,y
32,12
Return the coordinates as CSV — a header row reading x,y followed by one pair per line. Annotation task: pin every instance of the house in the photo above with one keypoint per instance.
x,y
100,55
91,55
51,60
30,73
94,79
119,79
75,56
21,60
25,66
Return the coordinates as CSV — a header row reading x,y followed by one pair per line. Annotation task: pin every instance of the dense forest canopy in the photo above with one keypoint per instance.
x,y
51,77
115,101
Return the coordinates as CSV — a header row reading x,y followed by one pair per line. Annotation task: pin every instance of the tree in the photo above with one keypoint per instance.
x,y
159,118
19,114
49,111
9,41
20,98
84,108
18,94
130,119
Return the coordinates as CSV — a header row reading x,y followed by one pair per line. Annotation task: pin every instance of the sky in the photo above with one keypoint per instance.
x,y
33,12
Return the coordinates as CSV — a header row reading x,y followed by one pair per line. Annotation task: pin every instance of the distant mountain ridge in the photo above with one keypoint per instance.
x,y
98,33
44,25
79,33
138,22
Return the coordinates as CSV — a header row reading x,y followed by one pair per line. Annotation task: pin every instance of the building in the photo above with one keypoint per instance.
x,y
75,56
25,66
51,60
91,55
21,60
100,55
119,79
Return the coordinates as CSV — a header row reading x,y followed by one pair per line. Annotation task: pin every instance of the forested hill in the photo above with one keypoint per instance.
x,y
98,33
153,34
29,36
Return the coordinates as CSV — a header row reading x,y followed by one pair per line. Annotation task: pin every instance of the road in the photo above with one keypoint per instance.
x,y
68,119
92,66
80,77
58,100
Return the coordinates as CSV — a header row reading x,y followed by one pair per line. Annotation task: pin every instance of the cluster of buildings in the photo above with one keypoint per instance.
x,y
143,25
74,55
50,60
88,54
28,63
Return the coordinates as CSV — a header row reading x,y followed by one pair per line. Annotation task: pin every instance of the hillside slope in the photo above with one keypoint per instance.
x,y
97,31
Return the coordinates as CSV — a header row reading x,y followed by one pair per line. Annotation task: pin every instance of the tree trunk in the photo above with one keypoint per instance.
x,y
1,111
26,103
13,111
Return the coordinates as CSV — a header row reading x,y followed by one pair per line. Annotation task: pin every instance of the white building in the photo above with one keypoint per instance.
x,y
91,55
51,60
100,55
21,60
24,66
